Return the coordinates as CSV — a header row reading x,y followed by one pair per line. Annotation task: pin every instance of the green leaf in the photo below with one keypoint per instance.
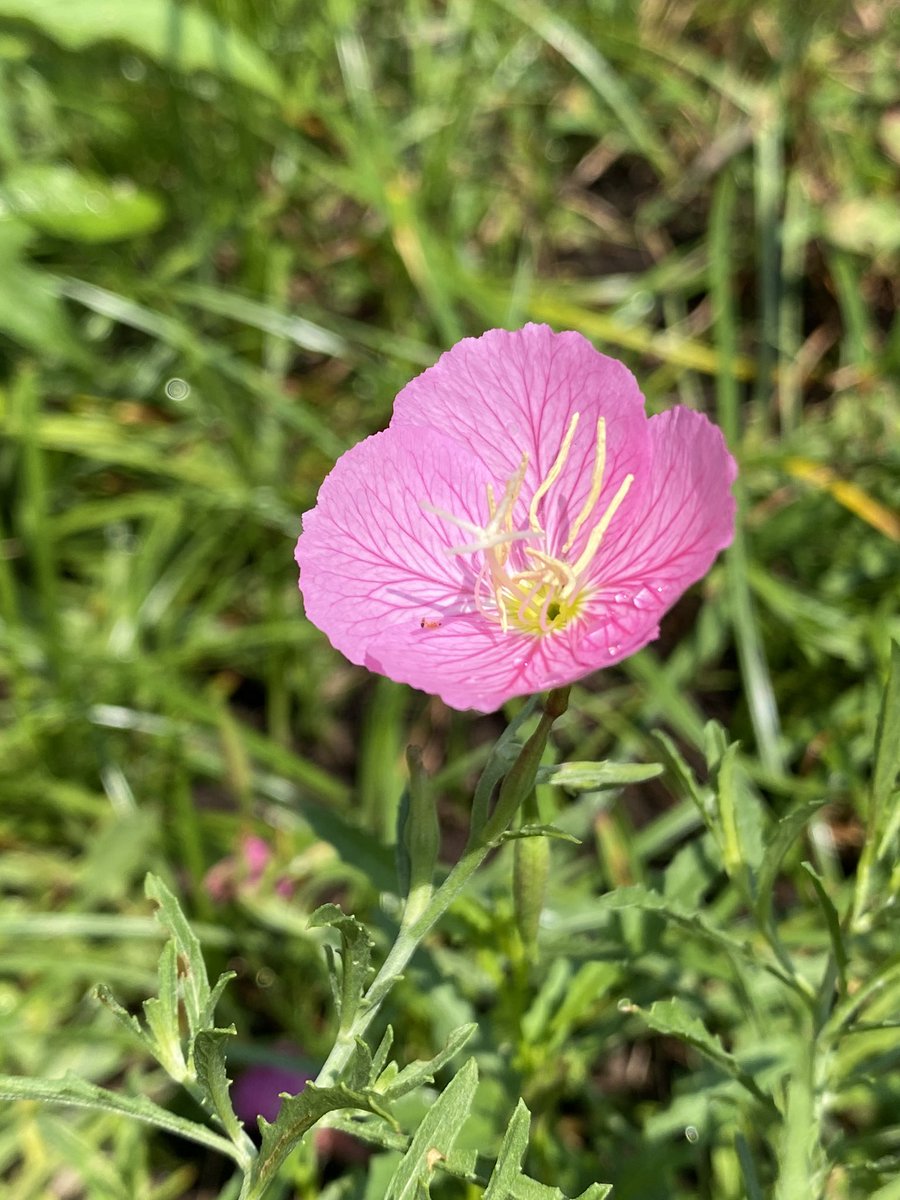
x,y
887,735
77,1092
525,1188
358,1073
191,968
162,1016
508,1166
436,1135
532,831
419,1073
740,824
779,841
672,1018
296,1116
682,777
207,1015
30,312
209,1062
125,1018
833,922
595,776
176,35
505,752
356,955
63,202
380,1057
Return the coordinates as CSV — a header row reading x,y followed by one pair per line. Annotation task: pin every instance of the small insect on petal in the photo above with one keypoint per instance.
x,y
426,624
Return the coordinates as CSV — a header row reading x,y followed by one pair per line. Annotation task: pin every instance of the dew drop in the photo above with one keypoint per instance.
x,y
133,69
178,389
644,599
620,597
692,1133
624,1005
613,650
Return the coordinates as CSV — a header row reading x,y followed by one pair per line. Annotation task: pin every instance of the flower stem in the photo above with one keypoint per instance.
x,y
515,788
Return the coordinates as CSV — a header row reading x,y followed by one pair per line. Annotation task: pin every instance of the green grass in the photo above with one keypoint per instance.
x,y
228,235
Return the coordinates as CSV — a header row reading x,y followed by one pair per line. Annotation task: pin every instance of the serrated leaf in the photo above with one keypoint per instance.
x,y
296,1116
65,203
176,35
358,1071
595,776
380,1057
508,1166
673,1018
70,1090
209,1009
125,1018
690,920
356,955
435,1136
525,1188
191,968
419,1073
209,1063
161,1014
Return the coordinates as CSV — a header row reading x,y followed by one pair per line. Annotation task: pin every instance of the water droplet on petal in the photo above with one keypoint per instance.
x,y
613,650
644,599
620,597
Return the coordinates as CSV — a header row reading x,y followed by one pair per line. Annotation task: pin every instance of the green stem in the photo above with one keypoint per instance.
x,y
516,786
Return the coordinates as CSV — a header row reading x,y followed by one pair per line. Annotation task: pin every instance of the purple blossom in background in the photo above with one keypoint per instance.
x,y
257,1091
520,524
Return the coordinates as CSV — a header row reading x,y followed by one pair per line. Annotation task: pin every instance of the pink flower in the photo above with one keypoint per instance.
x,y
520,524
243,871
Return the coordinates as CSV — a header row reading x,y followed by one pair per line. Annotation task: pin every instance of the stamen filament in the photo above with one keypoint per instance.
x,y
596,486
593,542
553,474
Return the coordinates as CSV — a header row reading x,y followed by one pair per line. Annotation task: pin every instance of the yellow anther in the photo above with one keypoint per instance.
x,y
531,590
593,542
553,474
596,486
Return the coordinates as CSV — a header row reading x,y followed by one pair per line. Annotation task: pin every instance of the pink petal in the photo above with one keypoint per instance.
x,y
683,515
372,560
470,663
506,394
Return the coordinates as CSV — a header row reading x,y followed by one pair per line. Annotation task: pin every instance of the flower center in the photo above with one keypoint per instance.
x,y
524,583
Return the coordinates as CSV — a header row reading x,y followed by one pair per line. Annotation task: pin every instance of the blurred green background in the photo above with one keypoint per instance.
x,y
229,233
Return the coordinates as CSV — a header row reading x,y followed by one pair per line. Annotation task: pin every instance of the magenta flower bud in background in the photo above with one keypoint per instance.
x,y
257,1091
520,524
